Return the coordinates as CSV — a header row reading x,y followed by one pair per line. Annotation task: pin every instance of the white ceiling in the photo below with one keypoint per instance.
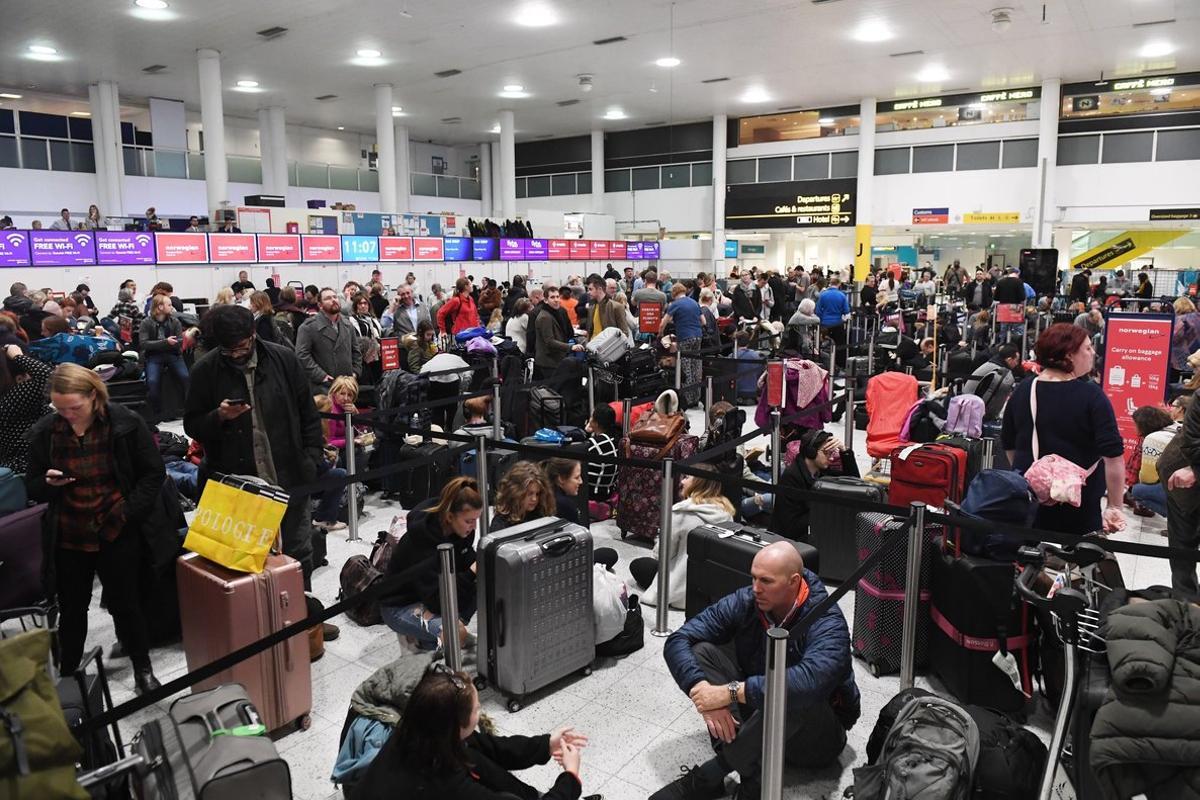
x,y
799,54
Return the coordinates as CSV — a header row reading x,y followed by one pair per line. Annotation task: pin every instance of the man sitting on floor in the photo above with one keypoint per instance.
x,y
728,687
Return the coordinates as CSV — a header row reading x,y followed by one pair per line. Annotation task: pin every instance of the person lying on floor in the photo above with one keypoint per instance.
x,y
727,688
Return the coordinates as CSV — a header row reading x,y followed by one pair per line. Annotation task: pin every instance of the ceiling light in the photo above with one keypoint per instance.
x,y
536,15
81,113
669,61
513,87
934,73
512,94
615,113
341,127
397,112
1156,49
248,84
495,128
755,94
42,50
368,53
873,30
10,96
153,5
825,121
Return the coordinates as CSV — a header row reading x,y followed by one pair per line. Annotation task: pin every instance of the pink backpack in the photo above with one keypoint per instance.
x,y
965,415
1052,478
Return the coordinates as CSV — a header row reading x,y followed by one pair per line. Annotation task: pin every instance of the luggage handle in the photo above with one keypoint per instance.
x,y
500,626
559,545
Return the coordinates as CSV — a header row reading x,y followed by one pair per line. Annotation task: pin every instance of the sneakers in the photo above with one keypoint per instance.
x,y
691,786
337,525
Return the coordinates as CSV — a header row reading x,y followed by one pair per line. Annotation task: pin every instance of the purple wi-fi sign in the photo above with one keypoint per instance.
x,y
14,249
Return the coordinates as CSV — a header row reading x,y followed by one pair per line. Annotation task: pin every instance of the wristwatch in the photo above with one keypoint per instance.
x,y
733,686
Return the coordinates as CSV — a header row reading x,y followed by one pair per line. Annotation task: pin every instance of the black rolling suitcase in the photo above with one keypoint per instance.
x,y
831,528
719,558
427,480
545,408
879,595
972,605
974,448
1092,687
82,695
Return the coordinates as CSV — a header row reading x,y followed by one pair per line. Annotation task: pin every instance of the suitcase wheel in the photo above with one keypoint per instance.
x,y
875,670
480,683
513,705
305,722
586,670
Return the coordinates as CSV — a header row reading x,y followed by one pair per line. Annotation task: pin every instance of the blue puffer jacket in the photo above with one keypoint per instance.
x,y
819,668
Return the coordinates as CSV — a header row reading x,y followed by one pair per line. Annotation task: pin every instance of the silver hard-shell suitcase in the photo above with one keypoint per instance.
x,y
536,622
609,346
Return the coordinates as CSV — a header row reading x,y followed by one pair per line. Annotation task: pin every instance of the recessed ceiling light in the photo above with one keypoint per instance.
x,y
536,15
1156,49
934,73
669,61
10,96
755,94
368,53
615,113
42,50
81,113
825,121
514,94
397,111
513,87
873,30
248,84
495,128
153,5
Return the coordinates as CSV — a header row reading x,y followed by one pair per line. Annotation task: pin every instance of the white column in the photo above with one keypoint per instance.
x,y
497,201
385,148
272,145
1044,209
212,119
508,166
485,179
865,188
720,124
598,171
403,169
105,150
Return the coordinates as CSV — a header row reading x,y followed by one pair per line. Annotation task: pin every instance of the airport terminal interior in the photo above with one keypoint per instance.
x,y
820,208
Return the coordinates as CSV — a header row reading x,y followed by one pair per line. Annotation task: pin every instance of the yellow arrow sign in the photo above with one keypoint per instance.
x,y
1123,248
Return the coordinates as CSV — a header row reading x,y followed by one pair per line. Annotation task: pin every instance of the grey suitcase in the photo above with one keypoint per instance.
x,y
536,621
609,346
831,527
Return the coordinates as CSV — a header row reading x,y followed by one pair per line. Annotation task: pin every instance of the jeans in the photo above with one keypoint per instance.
x,y
329,503
410,621
1152,495
118,563
1009,331
1183,530
750,508
155,364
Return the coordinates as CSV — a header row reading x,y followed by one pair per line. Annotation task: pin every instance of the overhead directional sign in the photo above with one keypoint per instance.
x,y
1123,248
791,204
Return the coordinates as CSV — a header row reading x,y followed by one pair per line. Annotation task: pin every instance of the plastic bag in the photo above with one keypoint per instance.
x,y
608,603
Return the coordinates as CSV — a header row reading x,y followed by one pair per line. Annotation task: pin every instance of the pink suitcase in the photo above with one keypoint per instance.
x,y
222,610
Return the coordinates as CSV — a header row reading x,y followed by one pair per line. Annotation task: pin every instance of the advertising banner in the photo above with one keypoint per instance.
x,y
559,249
633,251
617,251
231,248
276,247
536,250
321,247
791,204
62,248
512,249
651,250
124,247
360,248
14,249
427,248
1010,313
1137,354
598,250
731,248
395,248
580,250
181,248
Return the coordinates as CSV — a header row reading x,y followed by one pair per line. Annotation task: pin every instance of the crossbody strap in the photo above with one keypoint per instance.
x,y
1034,437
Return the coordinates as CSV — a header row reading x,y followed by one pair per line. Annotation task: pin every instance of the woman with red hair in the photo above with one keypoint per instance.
x,y
1075,421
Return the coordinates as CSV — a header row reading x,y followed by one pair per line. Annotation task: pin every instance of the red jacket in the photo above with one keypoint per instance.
x,y
461,309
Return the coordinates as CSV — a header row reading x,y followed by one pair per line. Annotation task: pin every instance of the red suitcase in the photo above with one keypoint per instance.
x,y
932,473
222,610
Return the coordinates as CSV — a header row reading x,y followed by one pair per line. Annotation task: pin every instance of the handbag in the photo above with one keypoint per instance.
x,y
236,522
657,430
1052,478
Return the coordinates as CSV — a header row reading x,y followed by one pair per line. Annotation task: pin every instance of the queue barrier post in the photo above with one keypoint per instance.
x,y
912,593
851,384
678,366
774,714
708,401
989,453
497,429
626,410
481,478
591,379
832,360
351,489
871,355
448,595
777,445
661,623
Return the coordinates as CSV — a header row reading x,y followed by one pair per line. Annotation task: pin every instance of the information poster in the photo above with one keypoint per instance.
x,y
124,247
62,248
389,354
14,249
649,317
1136,357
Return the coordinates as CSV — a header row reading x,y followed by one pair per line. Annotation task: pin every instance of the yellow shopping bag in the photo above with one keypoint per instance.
x,y
236,522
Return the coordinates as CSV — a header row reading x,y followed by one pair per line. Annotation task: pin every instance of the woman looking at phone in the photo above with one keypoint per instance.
x,y
96,465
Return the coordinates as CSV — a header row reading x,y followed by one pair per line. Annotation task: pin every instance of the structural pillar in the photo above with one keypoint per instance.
x,y
598,172
106,148
1044,209
497,202
864,188
485,179
720,126
212,119
385,148
272,145
403,169
508,166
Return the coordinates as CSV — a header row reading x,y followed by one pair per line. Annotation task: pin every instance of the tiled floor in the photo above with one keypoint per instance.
x,y
642,729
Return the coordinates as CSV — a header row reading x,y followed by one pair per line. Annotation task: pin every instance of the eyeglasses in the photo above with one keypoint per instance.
x,y
241,348
455,679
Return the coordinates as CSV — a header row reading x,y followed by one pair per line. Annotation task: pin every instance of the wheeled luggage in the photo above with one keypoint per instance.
x,y
1093,686
82,696
972,610
421,483
608,347
719,559
976,450
640,488
536,620
21,558
545,408
223,610
879,595
932,473
831,528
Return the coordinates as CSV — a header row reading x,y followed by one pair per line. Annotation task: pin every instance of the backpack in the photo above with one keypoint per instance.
x,y
964,416
929,753
400,388
998,496
356,576
925,422
73,348
993,383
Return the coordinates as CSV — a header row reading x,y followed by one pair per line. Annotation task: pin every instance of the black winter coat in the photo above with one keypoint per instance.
x,y
790,517
968,295
1009,289
415,559
140,476
281,387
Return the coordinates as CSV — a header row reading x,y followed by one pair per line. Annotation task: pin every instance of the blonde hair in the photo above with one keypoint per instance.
x,y
261,302
74,379
160,300
510,494
224,297
708,491
345,383
1184,305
